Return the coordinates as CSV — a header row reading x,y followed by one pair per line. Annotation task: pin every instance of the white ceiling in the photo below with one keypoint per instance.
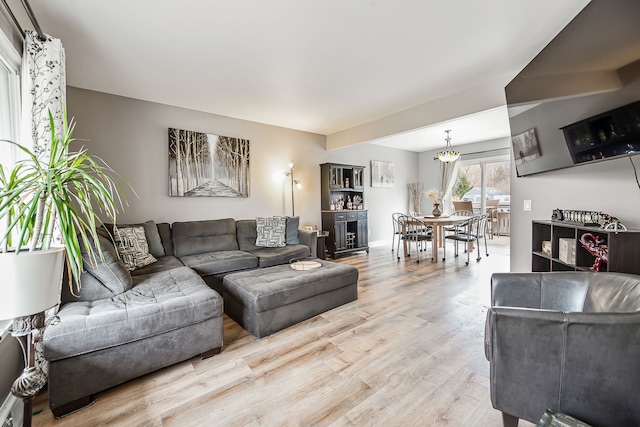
x,y
482,126
320,66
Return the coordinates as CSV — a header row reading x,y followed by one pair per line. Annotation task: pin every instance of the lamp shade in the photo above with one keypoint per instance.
x,y
30,282
448,154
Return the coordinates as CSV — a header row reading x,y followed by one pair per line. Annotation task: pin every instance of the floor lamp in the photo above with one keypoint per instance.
x,y
294,182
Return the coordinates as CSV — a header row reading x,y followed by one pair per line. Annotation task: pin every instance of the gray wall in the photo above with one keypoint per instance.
x,y
607,186
131,136
9,29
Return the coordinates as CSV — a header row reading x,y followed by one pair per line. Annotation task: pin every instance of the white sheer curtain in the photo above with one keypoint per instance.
x,y
448,173
43,90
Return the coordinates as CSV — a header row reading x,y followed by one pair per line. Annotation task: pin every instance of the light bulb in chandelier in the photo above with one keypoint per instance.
x,y
448,154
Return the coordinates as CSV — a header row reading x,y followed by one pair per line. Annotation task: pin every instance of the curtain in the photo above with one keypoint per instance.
x,y
448,173
43,90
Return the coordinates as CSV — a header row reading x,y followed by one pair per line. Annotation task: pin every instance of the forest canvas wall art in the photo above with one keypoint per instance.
x,y
207,165
382,174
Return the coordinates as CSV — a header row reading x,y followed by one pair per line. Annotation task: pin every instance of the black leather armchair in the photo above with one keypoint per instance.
x,y
569,341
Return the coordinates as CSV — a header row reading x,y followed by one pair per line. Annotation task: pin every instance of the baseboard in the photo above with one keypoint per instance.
x,y
11,412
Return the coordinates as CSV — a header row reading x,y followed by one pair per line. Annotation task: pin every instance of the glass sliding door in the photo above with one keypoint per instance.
x,y
486,183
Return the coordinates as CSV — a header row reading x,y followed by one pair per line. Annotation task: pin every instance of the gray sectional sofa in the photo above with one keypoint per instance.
x,y
157,315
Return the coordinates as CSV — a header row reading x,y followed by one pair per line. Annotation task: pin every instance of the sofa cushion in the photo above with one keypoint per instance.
x,y
158,303
291,237
268,257
162,264
164,229
198,237
246,234
220,262
151,233
271,231
101,279
131,244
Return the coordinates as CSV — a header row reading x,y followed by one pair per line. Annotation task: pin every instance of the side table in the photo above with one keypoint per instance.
x,y
321,247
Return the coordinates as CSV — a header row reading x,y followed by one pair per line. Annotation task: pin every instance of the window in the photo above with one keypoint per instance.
x,y
9,114
9,99
496,176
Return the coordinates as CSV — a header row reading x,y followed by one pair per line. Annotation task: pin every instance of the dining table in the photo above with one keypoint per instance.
x,y
438,233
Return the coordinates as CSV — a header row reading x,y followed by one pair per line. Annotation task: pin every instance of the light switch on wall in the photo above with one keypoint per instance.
x,y
527,205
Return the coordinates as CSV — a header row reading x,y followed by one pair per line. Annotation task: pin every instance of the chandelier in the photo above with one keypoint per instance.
x,y
448,154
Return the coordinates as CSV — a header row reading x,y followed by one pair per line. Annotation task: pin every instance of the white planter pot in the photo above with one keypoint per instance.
x,y
30,282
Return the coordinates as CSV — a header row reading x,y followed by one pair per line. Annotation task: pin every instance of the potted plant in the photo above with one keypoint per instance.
x,y
48,208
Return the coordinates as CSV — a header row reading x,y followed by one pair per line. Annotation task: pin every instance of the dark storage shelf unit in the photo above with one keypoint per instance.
x,y
611,134
623,248
348,228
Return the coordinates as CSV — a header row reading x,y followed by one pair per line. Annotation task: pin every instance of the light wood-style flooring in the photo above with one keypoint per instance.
x,y
408,352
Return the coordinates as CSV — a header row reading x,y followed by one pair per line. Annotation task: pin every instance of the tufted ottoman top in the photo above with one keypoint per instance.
x,y
268,288
156,304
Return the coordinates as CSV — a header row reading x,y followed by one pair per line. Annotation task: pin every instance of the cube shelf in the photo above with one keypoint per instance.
x,y
622,248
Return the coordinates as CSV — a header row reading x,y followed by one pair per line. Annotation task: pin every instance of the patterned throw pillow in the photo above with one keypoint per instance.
x,y
271,232
132,247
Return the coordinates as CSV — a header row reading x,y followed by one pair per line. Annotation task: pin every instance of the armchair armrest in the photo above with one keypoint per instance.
x,y
519,326
309,238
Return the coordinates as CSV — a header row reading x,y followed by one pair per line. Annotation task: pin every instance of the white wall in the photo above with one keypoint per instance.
x,y
131,136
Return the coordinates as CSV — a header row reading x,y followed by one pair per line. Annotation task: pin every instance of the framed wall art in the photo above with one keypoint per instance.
x,y
525,146
207,165
382,174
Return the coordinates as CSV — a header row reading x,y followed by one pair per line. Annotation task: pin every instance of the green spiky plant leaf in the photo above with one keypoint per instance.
x,y
69,192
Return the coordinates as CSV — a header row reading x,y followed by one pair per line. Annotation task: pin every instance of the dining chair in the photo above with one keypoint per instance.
x,y
453,229
471,231
416,231
492,216
397,228
418,215
402,220
462,205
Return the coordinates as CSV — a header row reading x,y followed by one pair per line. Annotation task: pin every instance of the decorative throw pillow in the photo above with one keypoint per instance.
x,y
133,249
151,232
293,223
270,232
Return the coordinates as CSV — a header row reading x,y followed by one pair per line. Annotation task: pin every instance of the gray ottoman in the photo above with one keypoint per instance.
x,y
267,300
